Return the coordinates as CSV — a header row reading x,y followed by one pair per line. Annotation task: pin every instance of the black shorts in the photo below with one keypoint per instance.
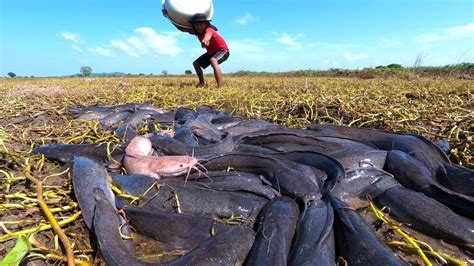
x,y
205,60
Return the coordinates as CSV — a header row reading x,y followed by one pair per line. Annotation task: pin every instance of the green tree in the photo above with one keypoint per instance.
x,y
11,74
394,66
86,71
188,72
164,72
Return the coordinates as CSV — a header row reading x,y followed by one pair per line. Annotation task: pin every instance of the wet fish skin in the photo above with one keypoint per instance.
x,y
204,129
126,132
274,138
181,231
170,146
88,175
193,199
417,146
427,215
223,176
289,182
275,231
67,152
227,121
137,184
416,176
409,172
356,183
461,179
248,126
113,119
355,241
185,135
139,116
182,114
228,248
333,169
314,242
93,115
106,226
241,186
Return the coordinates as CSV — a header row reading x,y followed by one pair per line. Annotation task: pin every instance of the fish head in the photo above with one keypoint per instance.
x,y
139,145
176,165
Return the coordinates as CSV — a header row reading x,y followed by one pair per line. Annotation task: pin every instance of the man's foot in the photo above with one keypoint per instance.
x,y
201,85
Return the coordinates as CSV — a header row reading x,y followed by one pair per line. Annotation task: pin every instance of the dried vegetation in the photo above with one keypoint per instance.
x,y
35,112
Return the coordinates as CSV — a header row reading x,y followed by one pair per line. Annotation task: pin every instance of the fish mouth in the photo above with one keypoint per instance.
x,y
174,173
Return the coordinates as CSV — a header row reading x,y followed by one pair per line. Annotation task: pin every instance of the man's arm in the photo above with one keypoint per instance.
x,y
207,38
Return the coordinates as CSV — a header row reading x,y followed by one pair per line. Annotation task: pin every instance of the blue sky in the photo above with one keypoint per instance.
x,y
57,37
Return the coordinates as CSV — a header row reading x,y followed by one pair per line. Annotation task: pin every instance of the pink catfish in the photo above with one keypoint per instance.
x,y
139,160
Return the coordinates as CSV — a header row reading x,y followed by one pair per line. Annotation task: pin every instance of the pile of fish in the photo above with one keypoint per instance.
x,y
223,189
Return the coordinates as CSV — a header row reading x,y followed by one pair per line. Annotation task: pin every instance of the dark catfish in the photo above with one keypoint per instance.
x,y
67,152
416,176
297,139
461,179
355,241
241,186
106,227
228,248
114,119
137,184
288,181
276,227
88,175
314,242
427,215
417,146
333,169
202,201
204,129
186,136
170,146
182,114
126,132
353,186
180,231
245,127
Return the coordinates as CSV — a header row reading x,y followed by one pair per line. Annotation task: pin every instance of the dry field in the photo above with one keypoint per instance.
x,y
35,112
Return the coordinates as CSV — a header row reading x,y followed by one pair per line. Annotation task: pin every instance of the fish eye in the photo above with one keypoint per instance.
x,y
181,165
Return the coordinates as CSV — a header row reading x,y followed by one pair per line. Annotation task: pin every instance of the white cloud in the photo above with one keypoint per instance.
x,y
102,52
388,43
247,46
148,42
450,33
351,57
289,40
247,18
74,37
76,48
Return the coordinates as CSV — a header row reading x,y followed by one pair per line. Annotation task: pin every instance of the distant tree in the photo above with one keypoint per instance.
x,y
392,66
141,74
11,74
164,72
86,71
188,72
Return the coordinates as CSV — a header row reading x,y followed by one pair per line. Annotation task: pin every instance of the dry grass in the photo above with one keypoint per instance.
x,y
34,112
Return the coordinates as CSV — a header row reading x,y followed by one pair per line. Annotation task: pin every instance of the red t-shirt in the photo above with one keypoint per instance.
x,y
216,43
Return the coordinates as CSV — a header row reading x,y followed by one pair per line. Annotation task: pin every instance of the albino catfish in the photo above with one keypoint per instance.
x,y
139,160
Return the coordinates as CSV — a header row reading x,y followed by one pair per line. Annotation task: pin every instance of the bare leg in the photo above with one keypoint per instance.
x,y
199,73
217,72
